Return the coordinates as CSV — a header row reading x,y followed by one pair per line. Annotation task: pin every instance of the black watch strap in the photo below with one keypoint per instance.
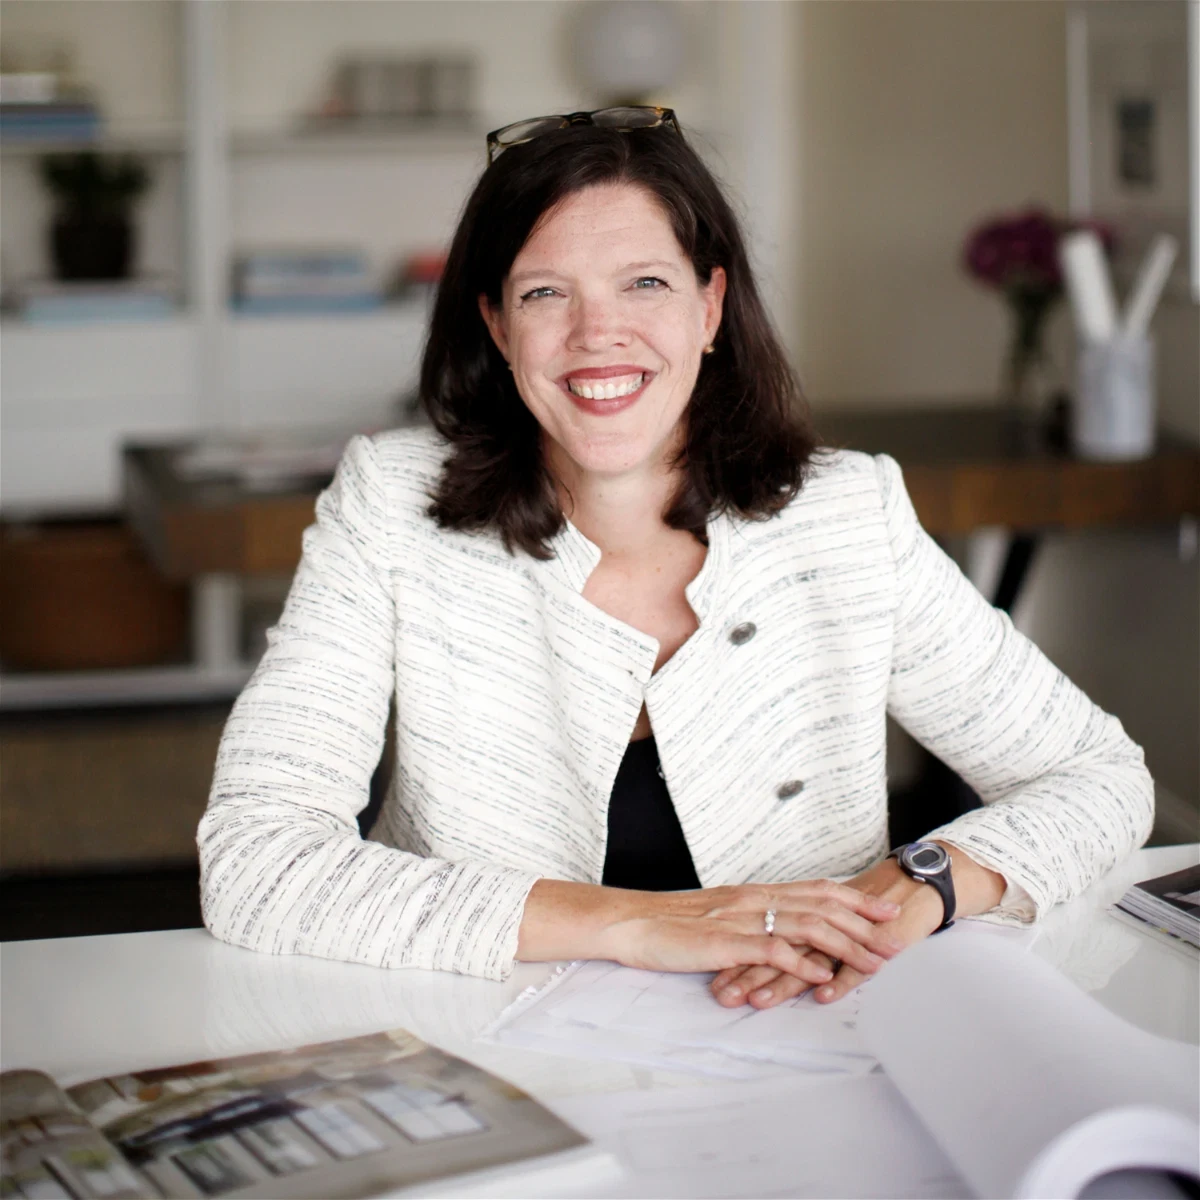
x,y
940,879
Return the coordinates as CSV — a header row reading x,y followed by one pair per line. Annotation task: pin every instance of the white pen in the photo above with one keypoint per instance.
x,y
1147,288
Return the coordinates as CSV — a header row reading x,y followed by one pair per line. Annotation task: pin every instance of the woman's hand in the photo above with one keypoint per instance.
x,y
713,928
920,913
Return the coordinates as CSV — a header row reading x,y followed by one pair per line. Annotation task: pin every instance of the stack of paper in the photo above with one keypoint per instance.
x,y
602,1010
673,1022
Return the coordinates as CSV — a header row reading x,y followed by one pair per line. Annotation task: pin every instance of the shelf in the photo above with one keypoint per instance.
x,y
405,140
13,324
166,139
142,685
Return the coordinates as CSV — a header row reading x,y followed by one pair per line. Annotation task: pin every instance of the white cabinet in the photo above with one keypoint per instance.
x,y
71,395
228,174
325,371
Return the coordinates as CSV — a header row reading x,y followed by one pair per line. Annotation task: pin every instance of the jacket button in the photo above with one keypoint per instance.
x,y
793,787
739,635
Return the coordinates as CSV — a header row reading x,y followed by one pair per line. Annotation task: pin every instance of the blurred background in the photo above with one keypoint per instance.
x,y
221,224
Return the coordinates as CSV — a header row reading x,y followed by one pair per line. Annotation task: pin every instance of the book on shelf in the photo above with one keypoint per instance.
x,y
1170,904
50,120
301,305
384,1114
51,301
304,281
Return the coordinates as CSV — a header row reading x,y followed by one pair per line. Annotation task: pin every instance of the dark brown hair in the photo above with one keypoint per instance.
x,y
748,439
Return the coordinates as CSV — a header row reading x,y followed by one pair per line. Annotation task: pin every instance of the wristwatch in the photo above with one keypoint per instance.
x,y
929,863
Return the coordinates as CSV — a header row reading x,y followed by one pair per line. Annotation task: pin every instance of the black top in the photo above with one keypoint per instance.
x,y
646,846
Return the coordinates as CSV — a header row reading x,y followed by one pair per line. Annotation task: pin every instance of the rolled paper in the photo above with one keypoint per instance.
x,y
1148,287
1089,285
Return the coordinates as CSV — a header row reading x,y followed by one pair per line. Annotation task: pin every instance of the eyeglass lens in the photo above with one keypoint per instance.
x,y
524,130
626,118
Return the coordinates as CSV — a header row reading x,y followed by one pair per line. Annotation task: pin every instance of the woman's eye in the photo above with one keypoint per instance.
x,y
648,283
538,293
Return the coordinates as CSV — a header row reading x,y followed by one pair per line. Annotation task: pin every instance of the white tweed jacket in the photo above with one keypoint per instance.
x,y
516,699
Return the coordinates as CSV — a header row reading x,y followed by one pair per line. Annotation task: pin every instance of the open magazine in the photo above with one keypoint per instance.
x,y
366,1116
1170,903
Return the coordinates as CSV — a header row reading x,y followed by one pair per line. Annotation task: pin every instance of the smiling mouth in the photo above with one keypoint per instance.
x,y
607,389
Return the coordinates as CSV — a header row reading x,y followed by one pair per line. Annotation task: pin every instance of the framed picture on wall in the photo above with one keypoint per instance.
x,y
1134,129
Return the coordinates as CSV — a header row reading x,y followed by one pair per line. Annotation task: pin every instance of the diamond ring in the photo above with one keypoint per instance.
x,y
769,920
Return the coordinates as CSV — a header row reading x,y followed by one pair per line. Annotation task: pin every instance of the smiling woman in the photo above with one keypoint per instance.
x,y
642,638
577,247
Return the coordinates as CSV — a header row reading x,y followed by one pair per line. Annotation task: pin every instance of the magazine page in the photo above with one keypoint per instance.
x,y
1029,1085
356,1117
50,1150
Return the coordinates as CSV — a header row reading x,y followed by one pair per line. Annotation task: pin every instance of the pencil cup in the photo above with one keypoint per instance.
x,y
1113,417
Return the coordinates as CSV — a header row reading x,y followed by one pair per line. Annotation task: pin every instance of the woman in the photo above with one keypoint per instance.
x,y
642,638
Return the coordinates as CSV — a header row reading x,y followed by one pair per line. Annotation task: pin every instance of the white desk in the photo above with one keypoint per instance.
x,y
84,1007
93,1006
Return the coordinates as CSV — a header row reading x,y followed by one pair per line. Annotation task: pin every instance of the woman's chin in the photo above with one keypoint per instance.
x,y
611,458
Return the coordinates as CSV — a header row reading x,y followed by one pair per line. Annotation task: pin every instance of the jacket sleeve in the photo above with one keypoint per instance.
x,y
283,868
1066,792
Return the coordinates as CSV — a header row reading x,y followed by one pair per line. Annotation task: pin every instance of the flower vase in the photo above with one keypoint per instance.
x,y
1028,380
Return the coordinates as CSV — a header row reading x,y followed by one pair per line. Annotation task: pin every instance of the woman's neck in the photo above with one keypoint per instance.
x,y
622,514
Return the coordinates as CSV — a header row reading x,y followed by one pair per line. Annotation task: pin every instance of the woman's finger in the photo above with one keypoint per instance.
x,y
735,991
776,991
809,930
843,983
768,950
722,979
763,987
878,939
802,895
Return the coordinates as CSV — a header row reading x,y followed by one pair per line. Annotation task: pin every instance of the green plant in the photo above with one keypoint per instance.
x,y
89,185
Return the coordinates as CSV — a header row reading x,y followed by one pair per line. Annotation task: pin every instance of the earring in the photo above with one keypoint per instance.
x,y
709,348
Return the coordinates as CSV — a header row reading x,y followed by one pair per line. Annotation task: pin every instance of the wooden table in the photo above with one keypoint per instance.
x,y
965,468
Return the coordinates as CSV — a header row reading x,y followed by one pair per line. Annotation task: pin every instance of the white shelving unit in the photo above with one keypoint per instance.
x,y
238,169
73,393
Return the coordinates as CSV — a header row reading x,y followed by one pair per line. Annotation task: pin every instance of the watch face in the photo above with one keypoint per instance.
x,y
924,858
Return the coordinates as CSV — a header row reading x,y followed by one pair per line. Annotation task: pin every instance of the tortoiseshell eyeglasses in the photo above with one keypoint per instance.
x,y
623,119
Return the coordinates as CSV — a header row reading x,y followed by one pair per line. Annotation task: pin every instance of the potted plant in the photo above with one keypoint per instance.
x,y
1017,255
92,235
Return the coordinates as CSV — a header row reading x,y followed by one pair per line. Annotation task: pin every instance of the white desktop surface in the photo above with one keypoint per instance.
x,y
84,1007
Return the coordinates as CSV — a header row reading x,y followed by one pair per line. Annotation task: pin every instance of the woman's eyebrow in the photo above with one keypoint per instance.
x,y
524,276
655,264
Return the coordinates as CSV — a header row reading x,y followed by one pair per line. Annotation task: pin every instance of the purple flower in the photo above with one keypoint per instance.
x,y
1018,253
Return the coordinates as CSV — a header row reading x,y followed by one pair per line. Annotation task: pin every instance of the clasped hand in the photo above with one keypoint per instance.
x,y
722,929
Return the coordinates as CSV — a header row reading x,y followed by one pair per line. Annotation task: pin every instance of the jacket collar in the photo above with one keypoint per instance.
x,y
575,557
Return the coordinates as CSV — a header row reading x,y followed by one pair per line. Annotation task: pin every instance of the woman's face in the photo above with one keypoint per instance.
x,y
604,324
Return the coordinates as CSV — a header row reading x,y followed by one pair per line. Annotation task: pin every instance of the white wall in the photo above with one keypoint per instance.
x,y
916,120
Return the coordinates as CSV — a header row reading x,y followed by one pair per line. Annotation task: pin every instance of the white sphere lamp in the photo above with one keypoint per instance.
x,y
628,50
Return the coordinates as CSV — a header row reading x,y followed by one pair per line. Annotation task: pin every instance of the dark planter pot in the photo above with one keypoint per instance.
x,y
92,247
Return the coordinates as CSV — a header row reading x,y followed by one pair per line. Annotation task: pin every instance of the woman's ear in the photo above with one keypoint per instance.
x,y
493,318
714,303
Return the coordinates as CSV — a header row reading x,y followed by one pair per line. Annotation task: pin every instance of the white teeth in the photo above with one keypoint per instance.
x,y
608,390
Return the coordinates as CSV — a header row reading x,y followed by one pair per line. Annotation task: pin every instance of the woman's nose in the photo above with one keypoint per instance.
x,y
597,323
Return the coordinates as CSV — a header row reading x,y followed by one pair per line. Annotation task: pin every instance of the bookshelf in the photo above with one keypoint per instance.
x,y
213,94
230,174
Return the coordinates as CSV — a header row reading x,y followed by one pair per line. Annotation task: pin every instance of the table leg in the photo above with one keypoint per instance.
x,y
1017,560
217,621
